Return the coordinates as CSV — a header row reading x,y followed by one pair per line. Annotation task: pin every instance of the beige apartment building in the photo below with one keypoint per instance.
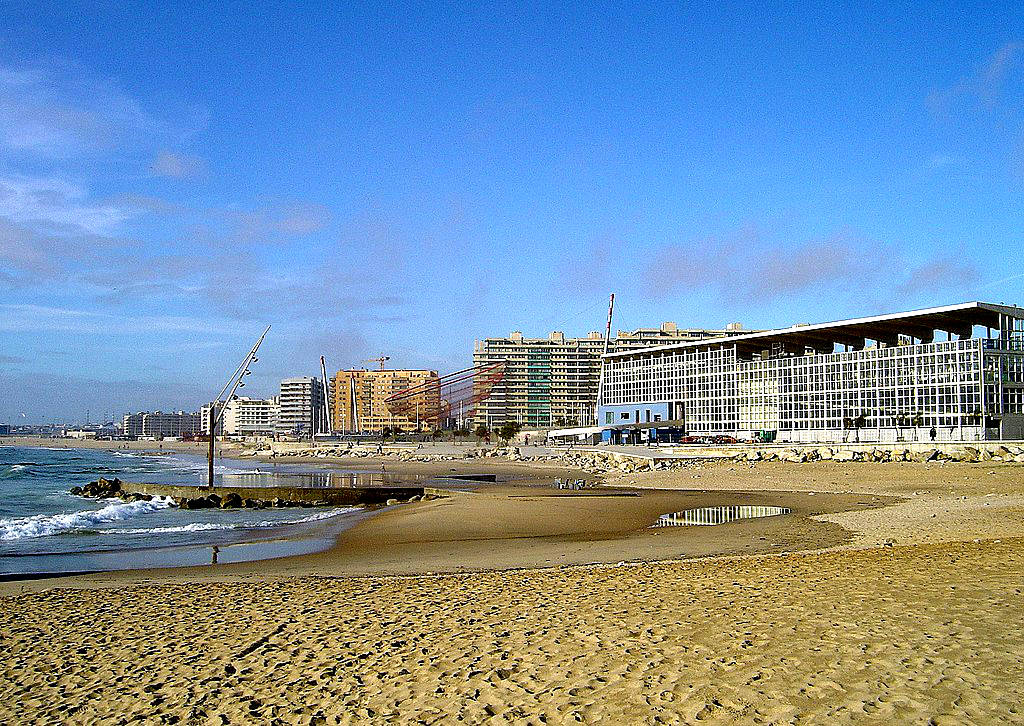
x,y
552,382
360,400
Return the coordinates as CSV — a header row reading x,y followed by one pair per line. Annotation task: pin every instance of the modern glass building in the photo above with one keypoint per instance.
x,y
946,373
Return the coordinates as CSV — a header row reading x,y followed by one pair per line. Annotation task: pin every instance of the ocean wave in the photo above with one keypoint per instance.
x,y
44,525
168,463
210,526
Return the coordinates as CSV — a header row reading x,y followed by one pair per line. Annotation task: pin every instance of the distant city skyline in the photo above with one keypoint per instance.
x,y
407,181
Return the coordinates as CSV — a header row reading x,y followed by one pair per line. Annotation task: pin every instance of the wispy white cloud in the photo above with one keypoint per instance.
x,y
751,267
56,206
58,109
28,318
985,85
177,166
273,222
942,273
937,162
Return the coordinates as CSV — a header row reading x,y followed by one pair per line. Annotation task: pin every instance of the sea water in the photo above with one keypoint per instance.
x,y
44,528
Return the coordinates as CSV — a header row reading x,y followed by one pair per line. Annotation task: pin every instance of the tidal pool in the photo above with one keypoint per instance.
x,y
704,516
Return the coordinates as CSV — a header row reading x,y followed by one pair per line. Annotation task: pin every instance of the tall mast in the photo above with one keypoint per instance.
x,y
327,400
236,378
354,413
600,380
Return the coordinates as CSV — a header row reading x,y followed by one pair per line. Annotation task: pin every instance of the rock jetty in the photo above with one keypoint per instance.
x,y
112,488
193,497
599,460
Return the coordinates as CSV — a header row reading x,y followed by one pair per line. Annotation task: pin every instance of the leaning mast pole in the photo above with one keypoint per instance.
x,y
327,400
241,372
600,380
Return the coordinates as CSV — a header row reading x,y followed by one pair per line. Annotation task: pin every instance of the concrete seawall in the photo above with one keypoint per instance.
x,y
335,496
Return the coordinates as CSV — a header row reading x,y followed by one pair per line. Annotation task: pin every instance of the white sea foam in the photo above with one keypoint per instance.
x,y
210,526
42,525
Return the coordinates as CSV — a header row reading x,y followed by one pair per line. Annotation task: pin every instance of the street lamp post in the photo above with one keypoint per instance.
x,y
236,379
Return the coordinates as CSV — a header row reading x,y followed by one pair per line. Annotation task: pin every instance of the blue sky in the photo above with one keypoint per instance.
x,y
404,179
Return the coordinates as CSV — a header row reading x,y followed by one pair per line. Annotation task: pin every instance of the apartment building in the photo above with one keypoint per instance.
x,y
251,416
301,407
552,382
360,397
157,424
244,416
204,419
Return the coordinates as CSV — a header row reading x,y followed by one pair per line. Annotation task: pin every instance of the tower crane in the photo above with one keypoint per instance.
x,y
380,359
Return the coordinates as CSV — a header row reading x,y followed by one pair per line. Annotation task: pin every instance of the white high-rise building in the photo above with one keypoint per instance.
x,y
204,420
158,424
251,417
301,407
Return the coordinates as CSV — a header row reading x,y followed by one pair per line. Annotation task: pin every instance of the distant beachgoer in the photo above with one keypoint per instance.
x,y
216,549
382,469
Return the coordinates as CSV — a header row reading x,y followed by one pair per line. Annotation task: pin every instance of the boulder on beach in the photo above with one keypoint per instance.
x,y
231,501
196,503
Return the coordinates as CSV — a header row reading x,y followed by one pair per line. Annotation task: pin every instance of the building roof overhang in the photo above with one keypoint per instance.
x,y
958,319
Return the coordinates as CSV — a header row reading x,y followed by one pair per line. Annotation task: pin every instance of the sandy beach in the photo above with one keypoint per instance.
x,y
891,594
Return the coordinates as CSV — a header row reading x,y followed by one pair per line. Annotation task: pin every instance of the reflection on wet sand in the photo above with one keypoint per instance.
x,y
717,515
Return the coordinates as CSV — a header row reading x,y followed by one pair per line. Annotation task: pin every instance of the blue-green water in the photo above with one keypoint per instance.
x,y
43,528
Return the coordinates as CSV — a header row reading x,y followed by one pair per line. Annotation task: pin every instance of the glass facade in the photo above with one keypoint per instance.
x,y
879,392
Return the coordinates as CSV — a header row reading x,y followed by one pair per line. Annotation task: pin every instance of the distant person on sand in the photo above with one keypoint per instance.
x,y
382,469
932,433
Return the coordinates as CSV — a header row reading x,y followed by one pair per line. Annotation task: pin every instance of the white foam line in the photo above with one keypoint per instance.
x,y
209,526
43,525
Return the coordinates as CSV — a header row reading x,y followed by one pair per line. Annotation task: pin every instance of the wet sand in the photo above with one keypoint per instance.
x,y
898,616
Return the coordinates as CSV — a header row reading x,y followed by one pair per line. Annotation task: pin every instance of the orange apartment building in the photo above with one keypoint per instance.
x,y
360,400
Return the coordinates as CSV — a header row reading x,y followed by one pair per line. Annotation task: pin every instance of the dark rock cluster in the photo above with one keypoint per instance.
x,y
104,488
101,488
232,500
